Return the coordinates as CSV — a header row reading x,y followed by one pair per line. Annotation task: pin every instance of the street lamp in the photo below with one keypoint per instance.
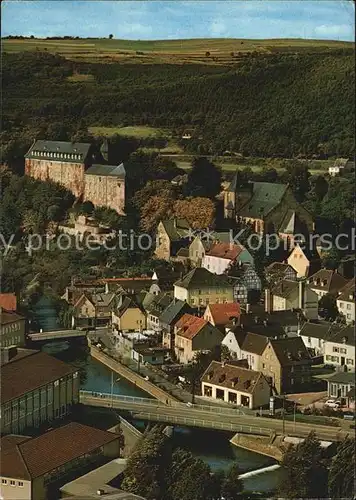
x,y
112,388
283,421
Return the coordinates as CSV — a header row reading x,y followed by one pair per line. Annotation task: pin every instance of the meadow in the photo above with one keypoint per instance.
x,y
197,51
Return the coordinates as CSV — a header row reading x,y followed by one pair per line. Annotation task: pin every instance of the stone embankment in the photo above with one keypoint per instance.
x,y
269,446
131,376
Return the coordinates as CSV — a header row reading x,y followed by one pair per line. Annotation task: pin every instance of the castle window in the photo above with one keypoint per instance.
x,y
119,185
61,155
99,179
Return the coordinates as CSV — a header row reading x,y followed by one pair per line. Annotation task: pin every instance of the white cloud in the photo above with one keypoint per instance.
x,y
333,29
217,28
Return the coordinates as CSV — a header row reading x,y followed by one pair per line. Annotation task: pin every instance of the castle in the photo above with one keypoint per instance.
x,y
81,168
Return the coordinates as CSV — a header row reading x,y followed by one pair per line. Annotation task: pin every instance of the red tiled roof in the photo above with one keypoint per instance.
x,y
26,458
188,326
225,251
8,301
223,313
28,373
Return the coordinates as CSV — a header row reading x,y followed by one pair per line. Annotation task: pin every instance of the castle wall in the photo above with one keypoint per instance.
x,y
70,175
105,191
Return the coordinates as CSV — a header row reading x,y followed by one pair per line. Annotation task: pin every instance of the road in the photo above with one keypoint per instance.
x,y
155,375
211,417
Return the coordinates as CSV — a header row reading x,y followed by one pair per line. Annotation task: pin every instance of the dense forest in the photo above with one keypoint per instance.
x,y
275,105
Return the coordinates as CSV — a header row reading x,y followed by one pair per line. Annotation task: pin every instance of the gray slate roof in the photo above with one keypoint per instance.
x,y
76,152
176,228
342,378
107,170
174,311
329,331
202,277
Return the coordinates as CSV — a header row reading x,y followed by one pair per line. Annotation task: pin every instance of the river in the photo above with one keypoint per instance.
x,y
211,446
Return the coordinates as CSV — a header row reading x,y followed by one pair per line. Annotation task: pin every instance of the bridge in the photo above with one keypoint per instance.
x,y
208,417
56,335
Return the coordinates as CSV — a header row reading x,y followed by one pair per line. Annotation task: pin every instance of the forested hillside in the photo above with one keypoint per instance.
x,y
281,105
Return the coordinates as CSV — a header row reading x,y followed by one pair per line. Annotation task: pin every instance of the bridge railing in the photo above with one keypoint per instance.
x,y
210,424
174,404
120,397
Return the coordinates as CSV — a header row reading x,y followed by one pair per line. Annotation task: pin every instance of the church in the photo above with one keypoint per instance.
x,y
81,168
268,207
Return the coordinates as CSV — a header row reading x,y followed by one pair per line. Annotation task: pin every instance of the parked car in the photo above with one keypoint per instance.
x,y
349,415
332,403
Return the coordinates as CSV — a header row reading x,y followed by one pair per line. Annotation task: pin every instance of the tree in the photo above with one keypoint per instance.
x,y
199,212
331,259
226,354
305,474
297,175
207,54
232,485
111,36
54,213
159,187
188,477
204,179
86,208
342,471
146,467
327,307
156,209
268,174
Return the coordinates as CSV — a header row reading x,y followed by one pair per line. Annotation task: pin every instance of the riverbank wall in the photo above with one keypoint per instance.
x,y
130,433
269,446
131,376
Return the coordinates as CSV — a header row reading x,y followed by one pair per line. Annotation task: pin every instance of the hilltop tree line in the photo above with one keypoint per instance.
x,y
281,105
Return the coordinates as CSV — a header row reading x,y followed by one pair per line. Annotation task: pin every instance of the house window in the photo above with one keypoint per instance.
x,y
291,381
349,361
20,483
12,483
220,394
4,481
336,349
348,316
309,340
341,305
208,391
348,306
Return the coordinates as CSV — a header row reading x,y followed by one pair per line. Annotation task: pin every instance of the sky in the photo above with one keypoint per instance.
x,y
157,20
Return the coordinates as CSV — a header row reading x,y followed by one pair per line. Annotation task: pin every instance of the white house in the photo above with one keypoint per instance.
x,y
335,342
313,335
290,295
341,166
339,349
346,301
236,385
222,255
326,281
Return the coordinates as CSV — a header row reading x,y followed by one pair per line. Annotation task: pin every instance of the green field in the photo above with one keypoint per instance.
x,y
130,131
221,51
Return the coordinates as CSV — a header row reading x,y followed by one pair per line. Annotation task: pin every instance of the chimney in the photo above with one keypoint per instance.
x,y
301,295
268,301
